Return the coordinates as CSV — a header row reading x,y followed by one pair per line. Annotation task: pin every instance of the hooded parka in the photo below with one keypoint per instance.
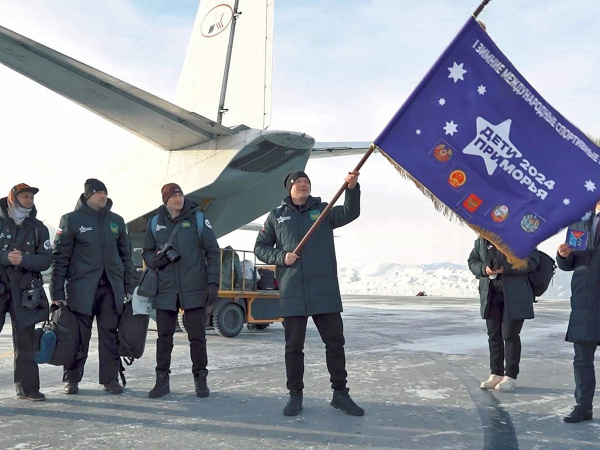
x,y
89,243
309,286
187,279
584,322
518,293
33,240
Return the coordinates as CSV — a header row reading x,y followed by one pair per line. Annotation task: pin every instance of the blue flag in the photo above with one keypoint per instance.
x,y
480,141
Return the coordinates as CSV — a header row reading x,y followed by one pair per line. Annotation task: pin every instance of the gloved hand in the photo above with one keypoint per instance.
x,y
212,295
159,260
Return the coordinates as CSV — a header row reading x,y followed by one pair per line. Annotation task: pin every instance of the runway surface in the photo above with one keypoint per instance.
x,y
414,364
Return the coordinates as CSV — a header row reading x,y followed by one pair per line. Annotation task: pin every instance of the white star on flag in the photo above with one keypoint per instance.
x,y
566,201
442,101
590,186
587,216
498,146
481,89
451,128
418,131
457,72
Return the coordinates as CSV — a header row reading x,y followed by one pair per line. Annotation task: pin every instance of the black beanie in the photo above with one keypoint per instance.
x,y
289,180
91,186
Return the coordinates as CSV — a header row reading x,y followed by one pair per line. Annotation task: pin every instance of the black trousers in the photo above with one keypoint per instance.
x,y
107,322
504,338
331,329
585,376
194,321
26,371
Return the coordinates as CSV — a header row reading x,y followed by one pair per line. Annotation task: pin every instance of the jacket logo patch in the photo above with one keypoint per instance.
x,y
207,223
47,244
160,227
185,224
314,214
84,229
283,219
114,228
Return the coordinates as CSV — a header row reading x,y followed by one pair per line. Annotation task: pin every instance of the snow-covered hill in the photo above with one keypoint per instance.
x,y
443,279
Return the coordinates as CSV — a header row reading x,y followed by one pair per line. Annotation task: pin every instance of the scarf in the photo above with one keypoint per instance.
x,y
16,211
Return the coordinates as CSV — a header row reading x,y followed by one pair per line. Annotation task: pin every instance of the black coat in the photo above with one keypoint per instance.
x,y
189,277
584,322
32,238
309,286
87,244
518,294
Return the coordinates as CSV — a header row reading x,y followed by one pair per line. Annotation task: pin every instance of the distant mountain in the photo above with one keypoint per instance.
x,y
442,279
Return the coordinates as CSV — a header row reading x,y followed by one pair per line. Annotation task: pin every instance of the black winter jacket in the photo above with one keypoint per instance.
x,y
189,277
518,294
87,244
584,322
309,286
32,238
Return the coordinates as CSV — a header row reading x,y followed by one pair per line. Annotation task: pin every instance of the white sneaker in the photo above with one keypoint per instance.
x,y
491,382
507,384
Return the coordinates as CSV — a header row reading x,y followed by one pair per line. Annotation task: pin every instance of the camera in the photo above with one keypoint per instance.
x,y
171,254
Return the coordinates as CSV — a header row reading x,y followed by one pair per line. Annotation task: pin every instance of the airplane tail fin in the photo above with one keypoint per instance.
x,y
236,37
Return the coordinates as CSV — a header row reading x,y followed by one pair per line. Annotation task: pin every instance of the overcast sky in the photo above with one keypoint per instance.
x,y
341,70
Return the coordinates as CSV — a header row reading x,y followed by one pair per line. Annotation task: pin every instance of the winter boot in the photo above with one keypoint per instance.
x,y
201,386
342,400
294,404
491,382
507,384
161,387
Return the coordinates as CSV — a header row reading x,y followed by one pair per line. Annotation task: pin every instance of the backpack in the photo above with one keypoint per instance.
x,y
540,277
267,280
132,333
199,224
65,325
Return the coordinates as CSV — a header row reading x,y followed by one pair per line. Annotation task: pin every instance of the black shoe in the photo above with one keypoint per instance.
x,y
294,404
341,400
578,414
113,387
201,386
72,387
161,387
36,396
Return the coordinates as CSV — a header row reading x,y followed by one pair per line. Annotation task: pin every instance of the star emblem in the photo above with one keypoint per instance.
x,y
590,186
418,131
451,128
566,202
442,101
481,89
457,72
496,142
587,216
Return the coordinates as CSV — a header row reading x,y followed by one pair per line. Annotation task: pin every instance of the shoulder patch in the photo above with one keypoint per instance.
x,y
207,223
114,228
47,244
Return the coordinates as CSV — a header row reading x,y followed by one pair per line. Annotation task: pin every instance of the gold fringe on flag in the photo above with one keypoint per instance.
x,y
516,262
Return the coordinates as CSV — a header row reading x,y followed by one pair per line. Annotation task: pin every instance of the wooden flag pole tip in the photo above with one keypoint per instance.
x,y
480,8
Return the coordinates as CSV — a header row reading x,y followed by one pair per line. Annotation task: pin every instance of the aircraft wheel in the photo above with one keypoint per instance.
x,y
261,326
229,321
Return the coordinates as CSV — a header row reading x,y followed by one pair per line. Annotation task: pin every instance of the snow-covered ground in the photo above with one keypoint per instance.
x,y
443,279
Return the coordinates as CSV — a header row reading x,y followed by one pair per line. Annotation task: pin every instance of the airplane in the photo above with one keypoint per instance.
x,y
213,140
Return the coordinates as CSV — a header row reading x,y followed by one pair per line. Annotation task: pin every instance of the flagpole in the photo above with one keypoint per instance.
x,y
480,8
332,202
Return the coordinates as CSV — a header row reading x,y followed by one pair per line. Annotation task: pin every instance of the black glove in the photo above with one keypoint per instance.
x,y
159,260
212,294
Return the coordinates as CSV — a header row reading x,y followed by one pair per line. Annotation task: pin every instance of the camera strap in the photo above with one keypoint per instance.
x,y
172,234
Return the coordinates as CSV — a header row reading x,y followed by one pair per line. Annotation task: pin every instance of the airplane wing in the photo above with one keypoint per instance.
x,y
325,149
160,122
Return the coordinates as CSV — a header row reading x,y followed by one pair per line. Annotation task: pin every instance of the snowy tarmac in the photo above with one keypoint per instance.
x,y
414,364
